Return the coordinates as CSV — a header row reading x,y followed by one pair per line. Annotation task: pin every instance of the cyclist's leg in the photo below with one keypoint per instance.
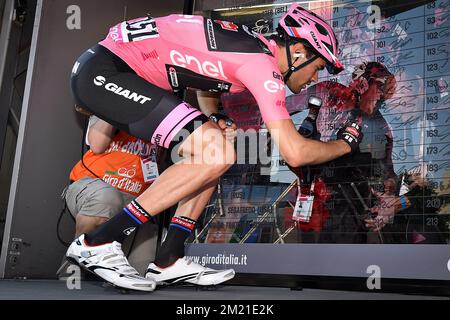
x,y
109,89
160,118
193,205
207,157
170,265
189,209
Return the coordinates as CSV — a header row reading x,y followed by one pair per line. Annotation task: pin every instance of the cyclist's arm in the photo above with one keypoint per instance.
x,y
208,102
100,134
298,151
262,78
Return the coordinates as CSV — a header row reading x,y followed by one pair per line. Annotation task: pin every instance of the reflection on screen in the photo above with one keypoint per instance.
x,y
396,188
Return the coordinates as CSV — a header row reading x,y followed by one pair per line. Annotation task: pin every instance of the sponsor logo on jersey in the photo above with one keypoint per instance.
x,y
273,86
189,19
277,76
157,139
226,25
120,91
115,34
211,35
173,77
223,87
205,68
151,55
281,103
99,81
315,40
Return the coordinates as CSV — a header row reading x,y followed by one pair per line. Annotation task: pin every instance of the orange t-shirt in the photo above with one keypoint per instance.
x,y
120,165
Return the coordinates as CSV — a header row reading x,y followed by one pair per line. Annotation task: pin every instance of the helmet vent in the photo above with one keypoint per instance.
x,y
329,46
321,30
305,20
291,22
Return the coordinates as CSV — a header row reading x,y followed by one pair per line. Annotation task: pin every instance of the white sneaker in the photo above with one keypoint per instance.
x,y
186,271
109,263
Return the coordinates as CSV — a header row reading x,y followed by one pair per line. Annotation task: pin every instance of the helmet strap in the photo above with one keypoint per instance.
x,y
293,69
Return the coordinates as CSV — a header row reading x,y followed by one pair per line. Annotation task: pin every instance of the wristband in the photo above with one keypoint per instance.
x,y
216,117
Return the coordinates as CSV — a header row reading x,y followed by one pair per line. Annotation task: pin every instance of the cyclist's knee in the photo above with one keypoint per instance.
x,y
207,145
219,158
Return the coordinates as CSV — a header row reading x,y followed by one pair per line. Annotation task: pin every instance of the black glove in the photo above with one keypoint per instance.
x,y
216,117
351,133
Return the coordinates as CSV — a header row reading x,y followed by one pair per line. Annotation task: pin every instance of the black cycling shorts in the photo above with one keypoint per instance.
x,y
106,86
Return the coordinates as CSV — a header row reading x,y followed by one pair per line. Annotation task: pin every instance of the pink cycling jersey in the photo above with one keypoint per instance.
x,y
178,51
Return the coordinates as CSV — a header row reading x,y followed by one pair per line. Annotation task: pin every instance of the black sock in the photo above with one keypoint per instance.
x,y
120,226
173,247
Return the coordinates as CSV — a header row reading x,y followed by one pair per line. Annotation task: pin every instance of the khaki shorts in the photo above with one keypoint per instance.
x,y
96,198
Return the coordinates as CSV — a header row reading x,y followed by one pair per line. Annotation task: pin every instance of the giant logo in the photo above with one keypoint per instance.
x,y
315,40
277,76
203,67
99,81
120,91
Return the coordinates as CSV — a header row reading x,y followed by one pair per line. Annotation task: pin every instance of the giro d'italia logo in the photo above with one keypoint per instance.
x,y
99,81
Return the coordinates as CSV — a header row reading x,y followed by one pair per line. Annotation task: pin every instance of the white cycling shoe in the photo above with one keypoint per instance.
x,y
109,263
186,271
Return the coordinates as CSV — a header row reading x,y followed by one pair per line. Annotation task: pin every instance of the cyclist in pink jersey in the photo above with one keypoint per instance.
x,y
129,80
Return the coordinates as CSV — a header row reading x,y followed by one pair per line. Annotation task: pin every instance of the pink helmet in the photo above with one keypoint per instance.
x,y
303,24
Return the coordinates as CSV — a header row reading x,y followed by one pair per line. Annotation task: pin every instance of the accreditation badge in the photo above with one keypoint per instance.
x,y
303,205
150,166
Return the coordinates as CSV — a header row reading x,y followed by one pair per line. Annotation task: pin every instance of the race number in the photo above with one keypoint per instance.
x,y
140,29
